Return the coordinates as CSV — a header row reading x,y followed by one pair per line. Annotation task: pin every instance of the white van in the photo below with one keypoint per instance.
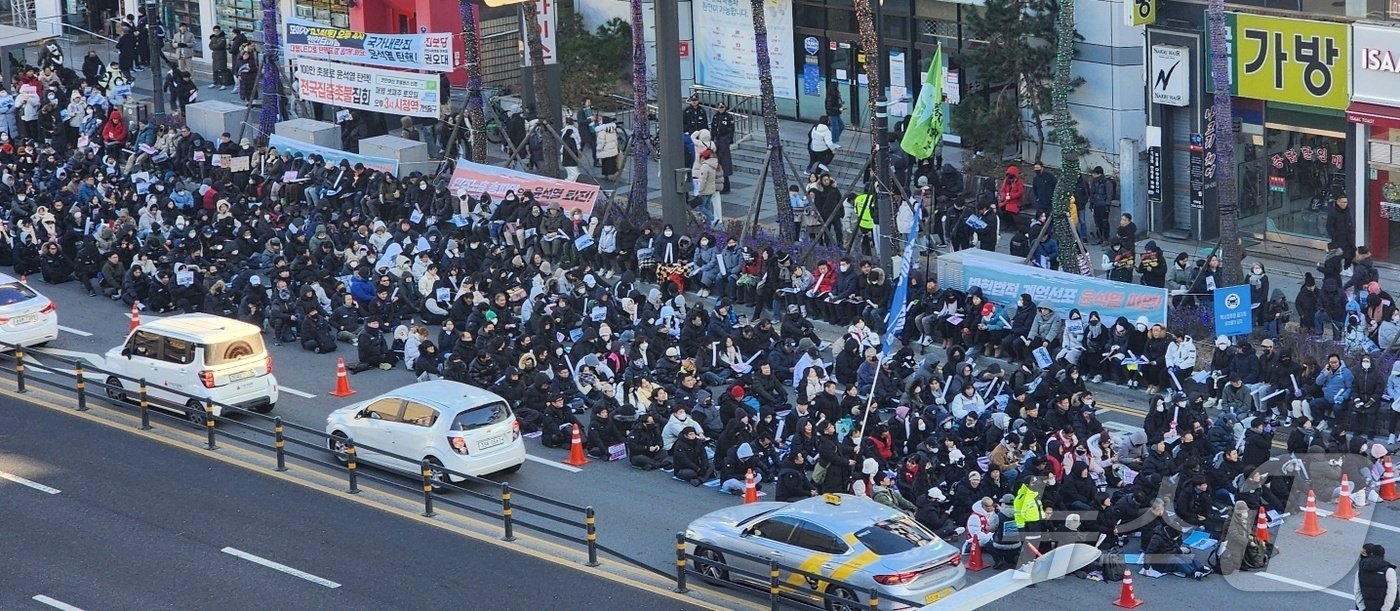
x,y
207,356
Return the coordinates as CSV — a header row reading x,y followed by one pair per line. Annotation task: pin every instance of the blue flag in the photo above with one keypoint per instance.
x,y
894,319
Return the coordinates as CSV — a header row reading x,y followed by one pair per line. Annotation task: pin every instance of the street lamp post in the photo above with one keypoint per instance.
x,y
885,206
153,28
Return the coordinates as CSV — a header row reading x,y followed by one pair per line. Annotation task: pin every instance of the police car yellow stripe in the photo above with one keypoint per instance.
x,y
861,560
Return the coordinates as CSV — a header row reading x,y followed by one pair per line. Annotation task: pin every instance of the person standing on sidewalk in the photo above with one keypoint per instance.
x,y
834,107
218,51
722,130
1375,584
1341,229
821,148
695,118
584,119
183,43
1099,198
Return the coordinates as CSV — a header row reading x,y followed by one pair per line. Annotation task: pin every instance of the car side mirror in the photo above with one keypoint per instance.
x,y
361,414
126,352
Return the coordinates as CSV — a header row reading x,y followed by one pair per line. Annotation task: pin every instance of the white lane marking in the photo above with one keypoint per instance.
x,y
1324,512
280,567
552,463
293,391
55,603
77,332
1305,585
30,483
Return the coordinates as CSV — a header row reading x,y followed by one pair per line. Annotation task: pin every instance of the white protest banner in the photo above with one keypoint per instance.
x,y
351,86
427,51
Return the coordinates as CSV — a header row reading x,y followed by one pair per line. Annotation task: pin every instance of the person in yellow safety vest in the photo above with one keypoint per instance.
x,y
1029,511
865,225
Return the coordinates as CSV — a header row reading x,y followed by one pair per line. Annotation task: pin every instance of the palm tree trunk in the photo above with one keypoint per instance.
x,y
476,112
271,71
777,169
1226,203
549,166
1065,234
638,193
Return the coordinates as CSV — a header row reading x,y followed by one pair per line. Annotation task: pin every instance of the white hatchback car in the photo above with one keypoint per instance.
x,y
26,317
448,424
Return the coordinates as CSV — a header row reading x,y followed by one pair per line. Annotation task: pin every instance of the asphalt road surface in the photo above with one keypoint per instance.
x,y
97,518
639,513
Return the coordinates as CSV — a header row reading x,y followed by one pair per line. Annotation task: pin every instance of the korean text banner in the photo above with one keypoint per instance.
x,y
414,51
476,178
725,57
1233,310
1290,60
284,144
1003,279
351,86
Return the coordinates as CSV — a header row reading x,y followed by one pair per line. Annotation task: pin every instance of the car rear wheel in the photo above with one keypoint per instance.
x,y
439,477
848,602
194,411
115,391
338,444
710,564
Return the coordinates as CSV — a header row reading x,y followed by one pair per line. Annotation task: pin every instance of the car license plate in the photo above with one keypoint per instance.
x,y
242,375
938,595
20,321
491,442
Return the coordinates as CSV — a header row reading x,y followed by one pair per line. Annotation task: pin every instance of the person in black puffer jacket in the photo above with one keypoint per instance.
x,y
1375,583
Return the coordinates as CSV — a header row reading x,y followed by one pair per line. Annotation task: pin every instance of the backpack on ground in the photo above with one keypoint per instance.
x,y
1256,555
1112,566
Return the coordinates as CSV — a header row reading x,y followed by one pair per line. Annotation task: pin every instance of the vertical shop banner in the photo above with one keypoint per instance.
x,y
1233,311
548,38
477,178
351,86
1154,175
432,52
1296,61
1197,171
725,57
899,105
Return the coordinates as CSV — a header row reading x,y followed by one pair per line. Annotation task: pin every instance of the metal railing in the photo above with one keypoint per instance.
x,y
809,588
472,494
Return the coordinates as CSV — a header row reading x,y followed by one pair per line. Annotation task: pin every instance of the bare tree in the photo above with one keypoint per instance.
x,y
1226,202
550,164
476,112
777,170
638,194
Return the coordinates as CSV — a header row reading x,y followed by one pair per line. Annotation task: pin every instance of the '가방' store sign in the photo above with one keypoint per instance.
x,y
1297,61
365,88
1376,60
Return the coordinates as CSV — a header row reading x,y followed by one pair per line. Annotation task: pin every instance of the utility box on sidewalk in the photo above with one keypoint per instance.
x,y
212,118
411,154
310,131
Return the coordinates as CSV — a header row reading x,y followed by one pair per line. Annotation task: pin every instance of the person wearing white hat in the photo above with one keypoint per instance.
x,y
865,484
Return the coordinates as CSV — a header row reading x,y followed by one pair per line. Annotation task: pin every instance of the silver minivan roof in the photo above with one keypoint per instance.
x,y
200,328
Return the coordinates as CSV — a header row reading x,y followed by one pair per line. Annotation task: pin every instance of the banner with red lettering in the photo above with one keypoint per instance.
x,y
365,88
476,178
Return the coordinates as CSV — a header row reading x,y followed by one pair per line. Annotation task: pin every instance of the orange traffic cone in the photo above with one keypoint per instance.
x,y
1345,511
1310,526
1261,526
1388,492
974,556
750,489
135,314
576,457
1126,598
342,381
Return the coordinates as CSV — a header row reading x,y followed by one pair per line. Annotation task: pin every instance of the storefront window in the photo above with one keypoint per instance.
x,y
245,15
1383,187
1291,176
176,12
334,13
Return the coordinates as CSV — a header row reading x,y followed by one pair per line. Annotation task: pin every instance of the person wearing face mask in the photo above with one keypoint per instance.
x,y
1367,387
1258,292
1180,277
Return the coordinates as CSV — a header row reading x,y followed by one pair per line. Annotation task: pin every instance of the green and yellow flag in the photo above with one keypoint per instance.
x,y
926,122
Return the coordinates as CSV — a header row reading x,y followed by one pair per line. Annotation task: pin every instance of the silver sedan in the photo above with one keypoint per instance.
x,y
850,539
